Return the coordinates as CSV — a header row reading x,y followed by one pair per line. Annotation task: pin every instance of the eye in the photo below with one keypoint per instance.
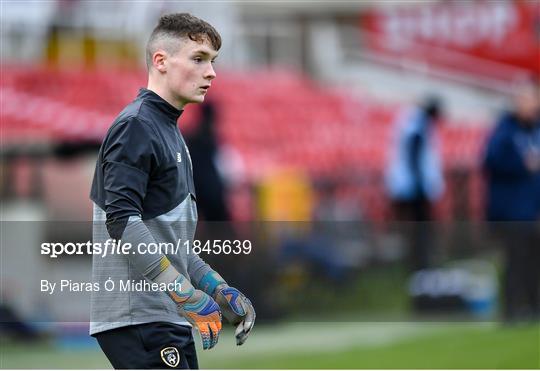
x,y
197,59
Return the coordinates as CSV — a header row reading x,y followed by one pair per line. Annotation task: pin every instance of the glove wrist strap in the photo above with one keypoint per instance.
x,y
164,272
184,291
210,283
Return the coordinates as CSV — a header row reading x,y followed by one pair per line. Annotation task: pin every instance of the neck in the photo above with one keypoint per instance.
x,y
165,94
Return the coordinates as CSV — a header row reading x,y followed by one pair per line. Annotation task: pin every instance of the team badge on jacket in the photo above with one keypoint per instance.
x,y
170,356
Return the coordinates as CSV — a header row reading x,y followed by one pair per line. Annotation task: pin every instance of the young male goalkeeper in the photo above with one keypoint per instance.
x,y
143,193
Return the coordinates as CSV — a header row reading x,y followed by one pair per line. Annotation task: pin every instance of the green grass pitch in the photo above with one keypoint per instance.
x,y
334,345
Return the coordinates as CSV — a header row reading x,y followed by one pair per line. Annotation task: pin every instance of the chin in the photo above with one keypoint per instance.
x,y
197,99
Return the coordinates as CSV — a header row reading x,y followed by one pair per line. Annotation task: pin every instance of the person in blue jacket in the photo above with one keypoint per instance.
x,y
414,176
512,166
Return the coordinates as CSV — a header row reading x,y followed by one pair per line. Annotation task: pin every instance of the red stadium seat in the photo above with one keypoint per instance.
x,y
315,128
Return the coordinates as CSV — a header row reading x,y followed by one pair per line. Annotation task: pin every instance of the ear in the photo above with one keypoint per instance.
x,y
158,60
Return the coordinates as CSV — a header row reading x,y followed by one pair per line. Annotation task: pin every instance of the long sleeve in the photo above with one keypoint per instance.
x,y
502,157
129,156
414,152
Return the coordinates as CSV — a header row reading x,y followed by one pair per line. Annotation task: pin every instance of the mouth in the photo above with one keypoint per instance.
x,y
205,87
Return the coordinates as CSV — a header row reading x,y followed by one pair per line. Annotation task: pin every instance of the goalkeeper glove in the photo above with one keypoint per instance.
x,y
237,309
200,310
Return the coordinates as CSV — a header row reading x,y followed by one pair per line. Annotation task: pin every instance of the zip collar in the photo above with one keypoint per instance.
x,y
155,100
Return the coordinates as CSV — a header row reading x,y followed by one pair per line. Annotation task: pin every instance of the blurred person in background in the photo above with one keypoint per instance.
x,y
414,178
143,194
512,166
204,150
211,186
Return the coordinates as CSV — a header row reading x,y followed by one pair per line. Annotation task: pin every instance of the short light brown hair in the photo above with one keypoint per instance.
x,y
173,27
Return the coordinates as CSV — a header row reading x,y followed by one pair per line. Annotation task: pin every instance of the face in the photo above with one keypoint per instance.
x,y
528,103
189,72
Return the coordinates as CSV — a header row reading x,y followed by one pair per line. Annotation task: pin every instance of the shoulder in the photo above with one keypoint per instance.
x,y
131,121
507,119
504,124
130,131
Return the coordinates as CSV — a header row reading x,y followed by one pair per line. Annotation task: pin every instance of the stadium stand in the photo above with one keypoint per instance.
x,y
284,119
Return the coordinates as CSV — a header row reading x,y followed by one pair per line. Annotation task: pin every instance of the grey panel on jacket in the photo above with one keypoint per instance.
x,y
116,308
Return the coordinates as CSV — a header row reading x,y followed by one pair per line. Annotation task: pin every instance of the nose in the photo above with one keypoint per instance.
x,y
210,74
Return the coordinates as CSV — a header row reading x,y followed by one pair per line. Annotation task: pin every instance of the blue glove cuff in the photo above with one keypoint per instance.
x,y
210,282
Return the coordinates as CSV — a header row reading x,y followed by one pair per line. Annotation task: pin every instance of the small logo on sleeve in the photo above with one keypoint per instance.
x,y
178,157
170,356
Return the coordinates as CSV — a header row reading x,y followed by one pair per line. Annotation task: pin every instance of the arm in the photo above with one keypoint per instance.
x,y
130,152
502,157
414,151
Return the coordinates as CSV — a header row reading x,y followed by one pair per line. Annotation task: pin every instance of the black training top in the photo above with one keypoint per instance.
x,y
143,194
147,160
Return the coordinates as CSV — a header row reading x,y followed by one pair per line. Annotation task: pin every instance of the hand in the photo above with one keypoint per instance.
x,y
203,313
238,310
532,161
199,309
